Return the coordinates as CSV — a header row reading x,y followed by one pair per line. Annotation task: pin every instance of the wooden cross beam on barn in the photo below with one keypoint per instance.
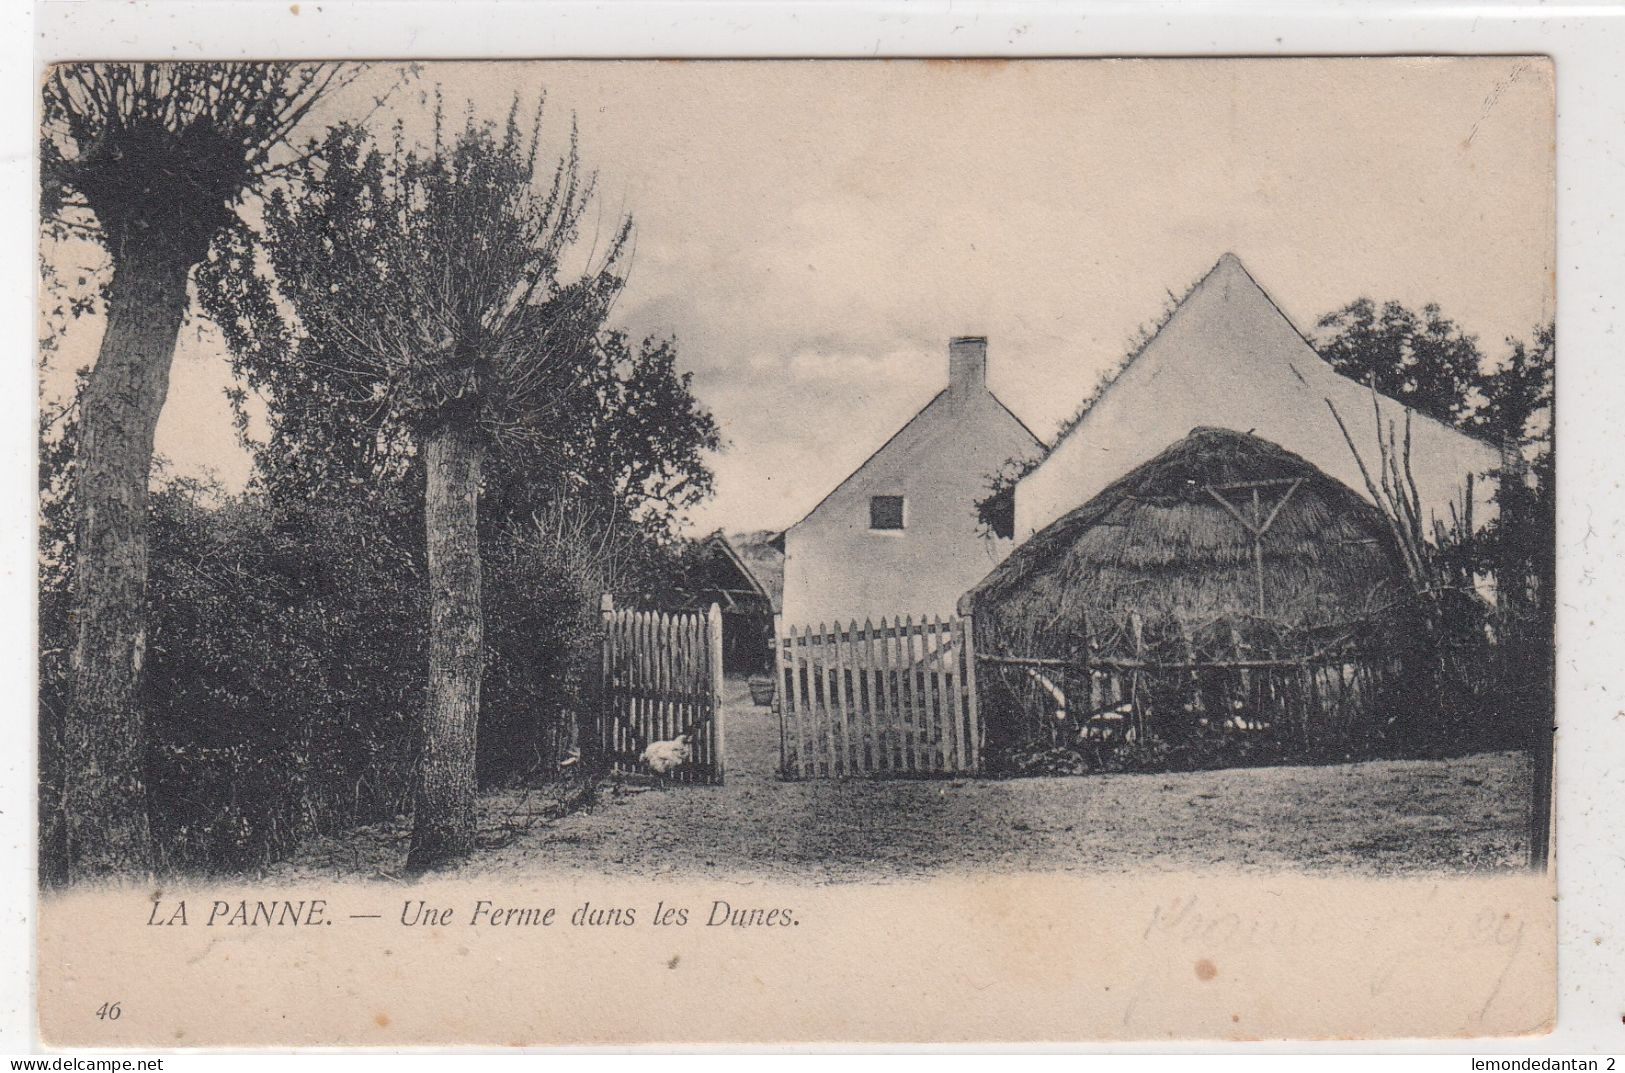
x,y
1259,524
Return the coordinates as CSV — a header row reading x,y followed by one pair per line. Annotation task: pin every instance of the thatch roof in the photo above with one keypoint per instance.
x,y
1158,541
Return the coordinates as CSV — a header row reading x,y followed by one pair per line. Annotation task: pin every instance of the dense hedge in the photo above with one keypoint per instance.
x,y
286,663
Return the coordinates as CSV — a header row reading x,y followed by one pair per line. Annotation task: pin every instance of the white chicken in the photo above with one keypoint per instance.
x,y
664,757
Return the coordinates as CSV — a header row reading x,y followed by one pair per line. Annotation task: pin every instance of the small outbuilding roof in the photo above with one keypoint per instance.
x,y
757,564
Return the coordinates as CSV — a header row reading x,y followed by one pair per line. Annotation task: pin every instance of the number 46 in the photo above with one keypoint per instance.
x,y
109,1011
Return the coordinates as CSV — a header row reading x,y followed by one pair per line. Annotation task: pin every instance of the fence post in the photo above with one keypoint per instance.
x,y
714,622
1540,806
840,762
780,689
595,744
885,735
936,699
975,729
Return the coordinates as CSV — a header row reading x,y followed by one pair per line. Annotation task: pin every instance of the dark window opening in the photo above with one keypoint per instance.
x,y
885,512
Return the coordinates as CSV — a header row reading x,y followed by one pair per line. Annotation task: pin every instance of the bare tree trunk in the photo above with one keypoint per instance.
x,y
443,814
104,790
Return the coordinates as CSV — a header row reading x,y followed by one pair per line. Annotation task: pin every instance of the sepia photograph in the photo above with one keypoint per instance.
x,y
770,485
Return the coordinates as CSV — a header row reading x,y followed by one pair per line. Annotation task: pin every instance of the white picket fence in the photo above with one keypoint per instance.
x,y
890,700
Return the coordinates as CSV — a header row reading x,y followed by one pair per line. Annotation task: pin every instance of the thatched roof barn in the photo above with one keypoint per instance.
x,y
1221,527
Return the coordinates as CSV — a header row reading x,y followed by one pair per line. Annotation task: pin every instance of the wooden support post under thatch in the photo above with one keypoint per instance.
x,y
1191,693
1258,550
1136,685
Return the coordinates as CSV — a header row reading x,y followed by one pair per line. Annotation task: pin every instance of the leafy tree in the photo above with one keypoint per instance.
x,y
627,438
588,502
1519,546
428,285
150,161
1517,395
1426,361
1423,360
588,505
1517,413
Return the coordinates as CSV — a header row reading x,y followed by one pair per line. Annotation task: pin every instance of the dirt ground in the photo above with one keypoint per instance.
x,y
1381,817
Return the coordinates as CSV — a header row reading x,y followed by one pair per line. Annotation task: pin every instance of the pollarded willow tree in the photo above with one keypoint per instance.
x,y
433,283
150,161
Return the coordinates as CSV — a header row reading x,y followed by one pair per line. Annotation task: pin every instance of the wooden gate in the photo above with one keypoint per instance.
x,y
893,700
661,677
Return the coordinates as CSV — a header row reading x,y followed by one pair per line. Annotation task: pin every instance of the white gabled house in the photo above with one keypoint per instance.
x,y
1227,357
900,535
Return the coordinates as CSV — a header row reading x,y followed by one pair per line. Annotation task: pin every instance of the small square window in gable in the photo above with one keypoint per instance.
x,y
885,512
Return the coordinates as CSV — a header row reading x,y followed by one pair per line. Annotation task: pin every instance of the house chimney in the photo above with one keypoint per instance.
x,y
967,364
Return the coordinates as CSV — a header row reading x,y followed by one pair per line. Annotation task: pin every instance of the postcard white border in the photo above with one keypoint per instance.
x,y
1585,40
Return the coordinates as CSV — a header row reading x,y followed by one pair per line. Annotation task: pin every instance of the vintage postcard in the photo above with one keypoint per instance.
x,y
765,552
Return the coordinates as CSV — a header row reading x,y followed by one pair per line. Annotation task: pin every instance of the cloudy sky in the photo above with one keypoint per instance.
x,y
813,233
